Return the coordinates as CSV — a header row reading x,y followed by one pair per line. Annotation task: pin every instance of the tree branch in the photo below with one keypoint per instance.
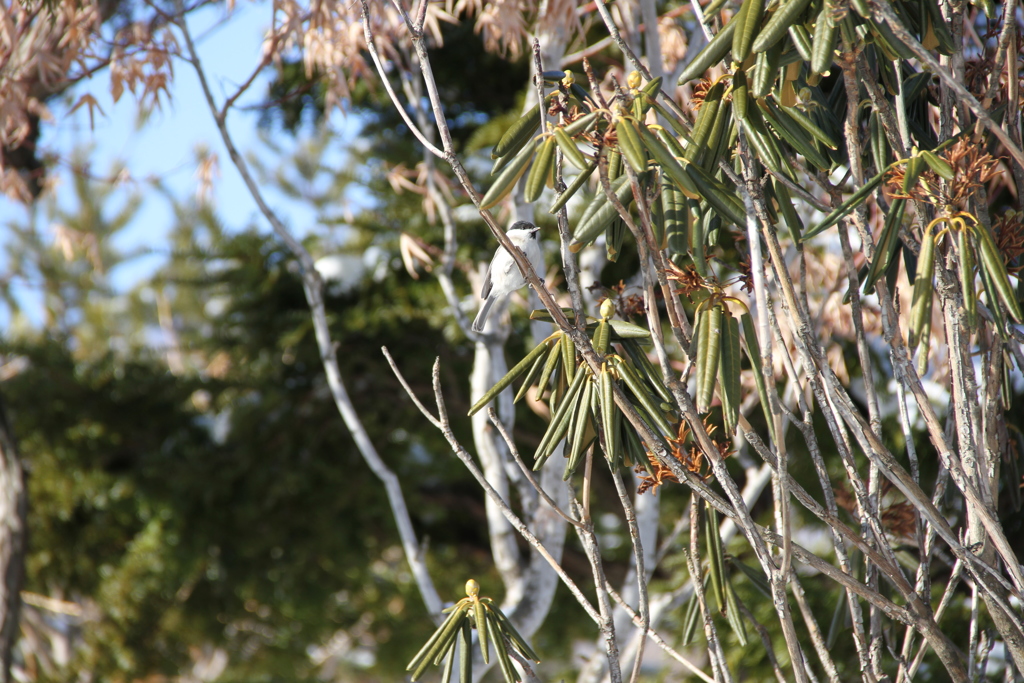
x,y
313,288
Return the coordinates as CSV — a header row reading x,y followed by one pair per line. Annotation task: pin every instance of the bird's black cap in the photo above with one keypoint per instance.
x,y
523,225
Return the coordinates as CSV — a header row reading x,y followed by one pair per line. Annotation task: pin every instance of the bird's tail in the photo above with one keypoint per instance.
x,y
481,317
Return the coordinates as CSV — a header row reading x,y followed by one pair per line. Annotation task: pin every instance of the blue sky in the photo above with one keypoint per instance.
x,y
163,145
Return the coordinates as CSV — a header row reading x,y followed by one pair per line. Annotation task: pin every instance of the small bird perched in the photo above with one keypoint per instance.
x,y
503,276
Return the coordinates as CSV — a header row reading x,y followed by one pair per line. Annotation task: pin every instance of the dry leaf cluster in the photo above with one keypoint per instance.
x,y
47,47
40,51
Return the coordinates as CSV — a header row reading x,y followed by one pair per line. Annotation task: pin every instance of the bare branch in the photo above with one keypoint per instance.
x,y
313,288
521,527
641,573
658,640
526,470
371,47
408,390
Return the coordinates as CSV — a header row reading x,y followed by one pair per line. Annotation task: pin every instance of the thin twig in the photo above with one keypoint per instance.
x,y
523,662
313,288
613,30
820,647
658,640
526,470
715,654
408,390
606,623
1005,34
641,572
947,598
371,47
766,641
506,510
268,54
753,202
589,51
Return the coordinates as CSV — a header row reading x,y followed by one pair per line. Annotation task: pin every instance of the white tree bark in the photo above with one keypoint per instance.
x,y
489,366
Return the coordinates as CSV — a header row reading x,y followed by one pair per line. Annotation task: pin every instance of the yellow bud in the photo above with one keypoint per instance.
x,y
607,307
569,78
634,80
472,588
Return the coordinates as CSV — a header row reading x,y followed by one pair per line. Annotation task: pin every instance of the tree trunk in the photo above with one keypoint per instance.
x,y
13,512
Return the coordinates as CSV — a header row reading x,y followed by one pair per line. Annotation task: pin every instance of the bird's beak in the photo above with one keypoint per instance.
x,y
534,232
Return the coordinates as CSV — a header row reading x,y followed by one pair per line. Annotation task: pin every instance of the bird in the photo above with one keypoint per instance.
x,y
503,276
